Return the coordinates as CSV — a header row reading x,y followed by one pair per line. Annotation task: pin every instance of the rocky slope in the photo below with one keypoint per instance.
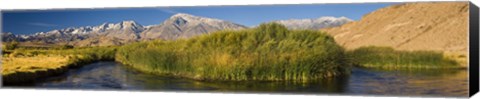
x,y
440,26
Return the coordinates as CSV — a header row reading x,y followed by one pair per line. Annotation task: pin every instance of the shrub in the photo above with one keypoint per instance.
x,y
11,45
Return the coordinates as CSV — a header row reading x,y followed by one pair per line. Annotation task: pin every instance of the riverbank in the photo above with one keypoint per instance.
x,y
27,65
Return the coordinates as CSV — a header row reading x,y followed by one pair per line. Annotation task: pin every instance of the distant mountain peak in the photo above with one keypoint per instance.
x,y
124,23
129,23
342,18
182,15
182,25
315,23
183,18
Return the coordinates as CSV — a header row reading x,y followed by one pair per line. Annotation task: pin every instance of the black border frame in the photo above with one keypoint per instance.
x,y
473,50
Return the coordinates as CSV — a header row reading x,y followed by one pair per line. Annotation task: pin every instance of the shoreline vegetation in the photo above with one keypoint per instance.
x,y
269,52
390,59
26,65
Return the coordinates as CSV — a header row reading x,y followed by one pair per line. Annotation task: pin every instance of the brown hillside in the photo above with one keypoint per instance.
x,y
438,26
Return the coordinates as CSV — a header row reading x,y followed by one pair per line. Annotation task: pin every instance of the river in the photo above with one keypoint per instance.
x,y
115,76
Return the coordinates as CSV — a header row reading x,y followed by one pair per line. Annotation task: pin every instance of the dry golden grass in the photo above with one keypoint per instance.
x,y
31,64
28,64
459,57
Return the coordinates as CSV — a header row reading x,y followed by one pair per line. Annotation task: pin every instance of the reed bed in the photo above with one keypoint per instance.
x,y
269,52
388,58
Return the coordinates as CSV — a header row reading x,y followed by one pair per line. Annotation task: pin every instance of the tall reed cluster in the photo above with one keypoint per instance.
x,y
269,52
388,58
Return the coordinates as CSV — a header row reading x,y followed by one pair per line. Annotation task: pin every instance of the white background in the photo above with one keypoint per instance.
x,y
88,94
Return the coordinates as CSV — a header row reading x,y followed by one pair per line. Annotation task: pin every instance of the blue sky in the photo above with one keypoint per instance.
x,y
27,22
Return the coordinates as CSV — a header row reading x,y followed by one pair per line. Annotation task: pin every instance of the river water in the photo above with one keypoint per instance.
x,y
115,76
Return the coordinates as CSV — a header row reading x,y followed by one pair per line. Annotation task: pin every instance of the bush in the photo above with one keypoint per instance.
x,y
11,45
66,46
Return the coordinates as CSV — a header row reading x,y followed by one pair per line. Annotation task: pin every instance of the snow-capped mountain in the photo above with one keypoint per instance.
x,y
314,24
113,34
183,25
125,30
180,25
9,36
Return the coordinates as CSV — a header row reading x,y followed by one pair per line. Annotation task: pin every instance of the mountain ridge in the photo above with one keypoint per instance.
x,y
183,25
180,25
314,23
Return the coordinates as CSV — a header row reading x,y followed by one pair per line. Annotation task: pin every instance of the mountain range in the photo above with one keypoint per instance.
x,y
179,25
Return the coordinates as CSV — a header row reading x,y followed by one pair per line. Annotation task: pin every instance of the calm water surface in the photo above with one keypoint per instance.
x,y
115,76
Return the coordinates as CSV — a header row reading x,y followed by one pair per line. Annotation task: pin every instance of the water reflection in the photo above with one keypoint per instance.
x,y
409,83
111,75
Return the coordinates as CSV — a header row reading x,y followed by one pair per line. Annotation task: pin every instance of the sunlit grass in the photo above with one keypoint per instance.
x,y
269,52
23,65
388,58
31,64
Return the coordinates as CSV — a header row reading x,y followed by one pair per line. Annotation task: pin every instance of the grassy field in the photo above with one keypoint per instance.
x,y
388,58
268,52
25,65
